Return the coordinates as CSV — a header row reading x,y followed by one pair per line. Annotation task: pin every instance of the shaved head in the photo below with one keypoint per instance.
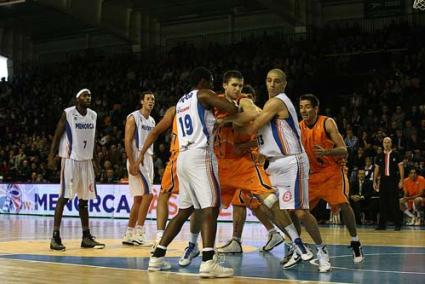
x,y
278,72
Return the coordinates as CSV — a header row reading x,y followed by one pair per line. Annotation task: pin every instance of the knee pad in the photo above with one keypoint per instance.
x,y
83,204
270,200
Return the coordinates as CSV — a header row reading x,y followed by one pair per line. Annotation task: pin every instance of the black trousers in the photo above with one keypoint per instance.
x,y
389,202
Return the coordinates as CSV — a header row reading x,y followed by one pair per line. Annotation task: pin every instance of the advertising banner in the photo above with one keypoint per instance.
x,y
113,201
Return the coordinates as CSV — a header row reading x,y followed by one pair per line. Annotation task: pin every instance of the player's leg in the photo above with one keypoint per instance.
x,y
86,191
66,174
192,250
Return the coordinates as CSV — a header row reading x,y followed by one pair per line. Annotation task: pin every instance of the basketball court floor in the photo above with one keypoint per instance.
x,y
25,257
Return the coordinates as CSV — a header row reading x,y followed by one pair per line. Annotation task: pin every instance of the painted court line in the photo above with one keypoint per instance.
x,y
166,272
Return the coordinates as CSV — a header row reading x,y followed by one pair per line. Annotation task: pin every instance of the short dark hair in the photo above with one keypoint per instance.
x,y
144,93
198,74
311,98
232,74
248,89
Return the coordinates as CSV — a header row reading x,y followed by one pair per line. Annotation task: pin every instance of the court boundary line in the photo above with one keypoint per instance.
x,y
165,272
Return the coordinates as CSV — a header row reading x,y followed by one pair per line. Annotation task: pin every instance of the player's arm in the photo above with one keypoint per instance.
x,y
165,123
96,165
375,178
249,112
60,129
272,108
401,172
130,128
209,99
340,148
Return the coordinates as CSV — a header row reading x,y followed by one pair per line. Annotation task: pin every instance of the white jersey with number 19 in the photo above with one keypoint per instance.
x,y
195,123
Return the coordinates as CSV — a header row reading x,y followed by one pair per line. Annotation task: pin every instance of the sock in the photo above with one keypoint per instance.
x,y
207,254
355,239
292,232
56,234
130,230
272,231
159,234
194,238
140,229
86,233
320,247
237,239
159,251
408,213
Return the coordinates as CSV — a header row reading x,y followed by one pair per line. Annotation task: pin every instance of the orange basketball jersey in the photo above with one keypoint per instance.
x,y
226,137
316,135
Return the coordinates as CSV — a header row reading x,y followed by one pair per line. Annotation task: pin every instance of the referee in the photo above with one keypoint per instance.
x,y
388,166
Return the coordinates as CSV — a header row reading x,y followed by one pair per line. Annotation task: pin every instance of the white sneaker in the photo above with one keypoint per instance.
x,y
302,250
289,253
418,221
128,239
140,237
274,240
212,269
158,264
323,257
358,255
293,260
411,222
232,246
190,252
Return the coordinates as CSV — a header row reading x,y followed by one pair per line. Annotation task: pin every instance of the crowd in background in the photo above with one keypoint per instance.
x,y
370,83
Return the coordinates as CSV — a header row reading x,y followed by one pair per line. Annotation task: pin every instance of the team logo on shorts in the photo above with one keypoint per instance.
x,y
287,196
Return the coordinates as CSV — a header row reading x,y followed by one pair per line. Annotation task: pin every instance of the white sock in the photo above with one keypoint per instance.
x,y
292,232
194,238
140,229
159,234
271,231
130,230
237,239
320,247
408,213
355,239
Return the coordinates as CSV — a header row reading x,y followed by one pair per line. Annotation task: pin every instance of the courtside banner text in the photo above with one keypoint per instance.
x,y
113,200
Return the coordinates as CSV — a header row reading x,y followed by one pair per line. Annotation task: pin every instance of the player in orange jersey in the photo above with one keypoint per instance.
x,y
241,199
414,197
170,185
325,148
251,177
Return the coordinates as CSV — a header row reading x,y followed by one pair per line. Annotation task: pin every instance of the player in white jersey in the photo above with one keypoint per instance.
x,y
279,139
75,132
197,172
140,178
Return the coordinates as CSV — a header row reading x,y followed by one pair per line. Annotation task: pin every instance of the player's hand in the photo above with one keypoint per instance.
x,y
51,162
355,198
134,169
376,186
319,151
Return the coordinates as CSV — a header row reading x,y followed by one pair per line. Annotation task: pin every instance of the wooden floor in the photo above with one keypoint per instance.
x,y
25,257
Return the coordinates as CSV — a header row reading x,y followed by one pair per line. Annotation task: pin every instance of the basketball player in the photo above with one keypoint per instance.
x,y
241,176
197,172
252,173
140,178
78,124
279,139
325,148
170,185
